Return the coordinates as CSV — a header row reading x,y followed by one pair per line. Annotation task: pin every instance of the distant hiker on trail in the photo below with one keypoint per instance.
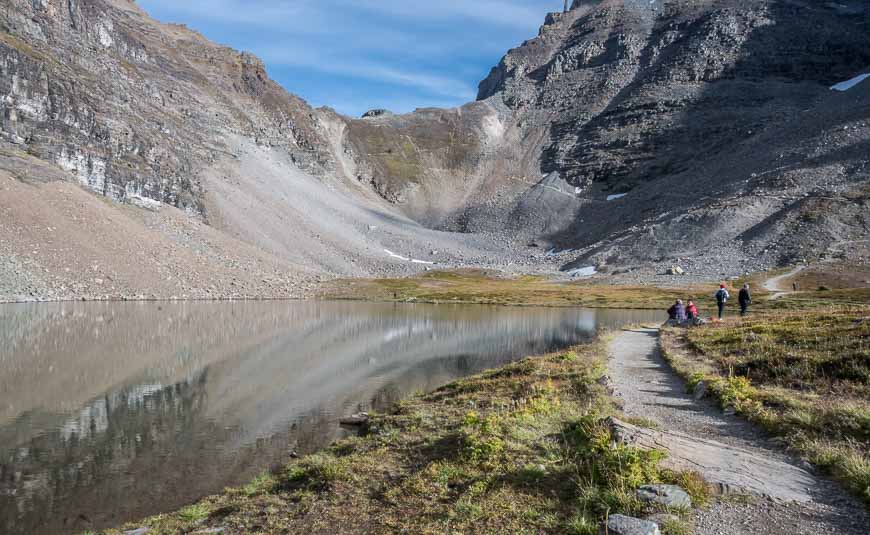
x,y
722,297
677,313
692,313
794,285
745,299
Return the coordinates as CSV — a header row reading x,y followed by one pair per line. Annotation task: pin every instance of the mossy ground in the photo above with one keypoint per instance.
x,y
803,375
470,286
521,449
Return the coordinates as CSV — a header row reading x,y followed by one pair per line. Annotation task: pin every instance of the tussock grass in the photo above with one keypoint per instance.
x,y
804,376
522,449
820,299
478,287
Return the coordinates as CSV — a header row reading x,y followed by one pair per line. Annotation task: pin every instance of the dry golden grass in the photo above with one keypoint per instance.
x,y
481,288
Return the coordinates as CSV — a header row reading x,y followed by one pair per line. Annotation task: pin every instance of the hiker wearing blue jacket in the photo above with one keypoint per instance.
x,y
722,297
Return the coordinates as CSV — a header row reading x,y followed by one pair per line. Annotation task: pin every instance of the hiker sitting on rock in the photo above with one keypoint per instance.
x,y
745,299
722,297
692,313
677,313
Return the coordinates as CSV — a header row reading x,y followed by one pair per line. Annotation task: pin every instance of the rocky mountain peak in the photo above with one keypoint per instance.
x,y
624,133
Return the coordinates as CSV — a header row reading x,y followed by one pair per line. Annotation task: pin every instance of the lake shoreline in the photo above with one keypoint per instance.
x,y
480,453
102,399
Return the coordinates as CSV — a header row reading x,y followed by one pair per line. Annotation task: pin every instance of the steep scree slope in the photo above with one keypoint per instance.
x,y
701,129
628,134
155,116
653,100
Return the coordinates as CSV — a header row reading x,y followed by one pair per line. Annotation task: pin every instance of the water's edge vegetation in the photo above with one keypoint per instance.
x,y
526,447
522,448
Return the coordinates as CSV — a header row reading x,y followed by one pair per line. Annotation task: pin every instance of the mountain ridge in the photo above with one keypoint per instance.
x,y
579,141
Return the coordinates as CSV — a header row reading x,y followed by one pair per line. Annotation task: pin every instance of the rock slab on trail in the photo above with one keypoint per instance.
x,y
730,469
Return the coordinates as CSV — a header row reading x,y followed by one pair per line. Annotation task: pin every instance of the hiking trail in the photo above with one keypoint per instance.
x,y
765,491
774,284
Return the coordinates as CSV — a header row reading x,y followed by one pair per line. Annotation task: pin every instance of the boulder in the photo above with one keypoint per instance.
x,y
607,383
676,270
667,495
626,525
357,420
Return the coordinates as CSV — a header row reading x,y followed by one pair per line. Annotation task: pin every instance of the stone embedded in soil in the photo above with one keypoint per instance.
x,y
626,525
667,495
700,391
356,420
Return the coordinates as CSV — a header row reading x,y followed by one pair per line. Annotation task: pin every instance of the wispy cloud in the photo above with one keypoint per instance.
x,y
434,84
433,53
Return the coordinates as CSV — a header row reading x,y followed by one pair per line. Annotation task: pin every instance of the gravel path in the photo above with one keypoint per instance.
x,y
774,284
648,388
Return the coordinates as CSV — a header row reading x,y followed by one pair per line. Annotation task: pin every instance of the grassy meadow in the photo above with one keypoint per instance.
x,y
803,375
480,287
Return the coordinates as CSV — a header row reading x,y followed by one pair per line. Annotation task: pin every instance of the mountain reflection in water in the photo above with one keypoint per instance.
x,y
115,411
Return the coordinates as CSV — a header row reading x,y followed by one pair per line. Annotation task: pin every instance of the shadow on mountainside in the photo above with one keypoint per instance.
x,y
727,106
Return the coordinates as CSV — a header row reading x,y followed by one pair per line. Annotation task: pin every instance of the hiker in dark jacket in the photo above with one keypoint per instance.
x,y
677,313
745,299
722,297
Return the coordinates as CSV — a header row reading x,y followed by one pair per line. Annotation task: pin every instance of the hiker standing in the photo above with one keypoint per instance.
x,y
722,297
745,299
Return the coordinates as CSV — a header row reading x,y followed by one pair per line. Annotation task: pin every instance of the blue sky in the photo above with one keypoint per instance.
x,y
355,55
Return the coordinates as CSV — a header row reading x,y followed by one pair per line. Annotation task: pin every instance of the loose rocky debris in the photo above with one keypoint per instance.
x,y
567,120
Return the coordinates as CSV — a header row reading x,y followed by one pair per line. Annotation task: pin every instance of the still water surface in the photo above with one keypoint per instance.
x,y
115,411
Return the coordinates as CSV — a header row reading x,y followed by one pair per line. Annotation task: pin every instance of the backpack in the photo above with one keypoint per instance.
x,y
722,295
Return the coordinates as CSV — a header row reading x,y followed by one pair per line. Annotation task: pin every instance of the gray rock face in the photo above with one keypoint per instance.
x,y
132,108
678,101
667,495
626,525
716,125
